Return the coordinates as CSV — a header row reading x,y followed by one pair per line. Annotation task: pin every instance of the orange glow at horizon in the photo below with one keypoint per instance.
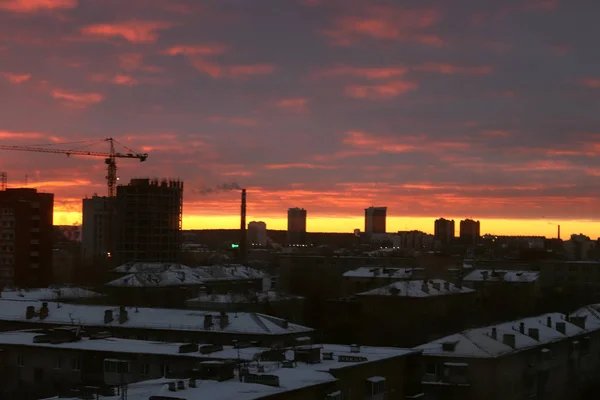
x,y
323,223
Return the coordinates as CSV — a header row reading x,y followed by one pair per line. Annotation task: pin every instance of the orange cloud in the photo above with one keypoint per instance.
x,y
197,50
16,78
380,92
26,135
593,83
77,100
298,105
444,68
218,71
131,31
364,140
298,165
32,6
118,79
385,23
368,73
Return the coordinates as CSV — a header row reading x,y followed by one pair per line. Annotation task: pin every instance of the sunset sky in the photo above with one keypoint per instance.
x,y
463,108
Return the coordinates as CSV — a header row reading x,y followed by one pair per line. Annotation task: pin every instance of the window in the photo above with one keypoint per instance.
x,y
58,363
76,364
116,366
20,361
431,369
145,369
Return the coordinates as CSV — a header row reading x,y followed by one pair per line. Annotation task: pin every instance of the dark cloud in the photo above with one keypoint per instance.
x,y
486,107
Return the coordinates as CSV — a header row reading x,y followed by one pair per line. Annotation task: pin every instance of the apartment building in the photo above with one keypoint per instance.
x,y
169,325
26,237
148,225
550,356
64,359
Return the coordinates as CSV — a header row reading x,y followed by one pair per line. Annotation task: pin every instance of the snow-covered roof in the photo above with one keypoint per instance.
x,y
128,346
495,275
163,275
151,318
480,342
418,288
380,272
56,293
300,376
258,297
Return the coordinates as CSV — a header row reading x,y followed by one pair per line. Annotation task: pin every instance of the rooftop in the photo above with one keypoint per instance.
x,y
166,274
382,272
291,377
128,346
49,294
536,331
258,297
418,288
150,318
498,275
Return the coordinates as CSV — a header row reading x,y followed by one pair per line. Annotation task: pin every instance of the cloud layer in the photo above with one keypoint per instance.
x,y
469,109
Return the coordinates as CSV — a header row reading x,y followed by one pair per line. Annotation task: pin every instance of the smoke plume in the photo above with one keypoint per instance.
x,y
225,187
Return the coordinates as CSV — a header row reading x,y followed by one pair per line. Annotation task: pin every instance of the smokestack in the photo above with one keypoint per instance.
x,y
243,239
559,231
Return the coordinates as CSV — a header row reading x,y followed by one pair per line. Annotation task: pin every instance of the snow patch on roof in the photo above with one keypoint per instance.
x,y
418,288
49,294
381,272
497,275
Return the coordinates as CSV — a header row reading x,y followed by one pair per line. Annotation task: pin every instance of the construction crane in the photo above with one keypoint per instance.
x,y
110,158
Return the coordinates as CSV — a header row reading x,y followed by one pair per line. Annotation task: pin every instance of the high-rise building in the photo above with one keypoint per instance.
x,y
148,221
375,220
257,233
95,230
469,231
444,230
26,237
296,226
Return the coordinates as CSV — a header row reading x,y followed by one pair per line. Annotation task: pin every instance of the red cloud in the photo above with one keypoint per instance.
x,y
77,100
383,91
26,135
367,73
384,23
197,50
298,165
218,71
298,105
593,83
16,78
366,141
32,6
132,31
445,68
375,144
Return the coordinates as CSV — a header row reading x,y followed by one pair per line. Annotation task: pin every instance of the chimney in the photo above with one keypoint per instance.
x,y
494,333
44,310
485,275
436,286
172,387
559,232
108,316
208,322
123,315
243,239
354,348
223,320
522,327
425,287
180,385
192,383
30,312
549,322
534,333
561,327
509,339
447,285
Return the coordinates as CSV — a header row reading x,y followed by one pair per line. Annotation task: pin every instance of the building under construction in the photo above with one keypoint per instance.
x,y
148,221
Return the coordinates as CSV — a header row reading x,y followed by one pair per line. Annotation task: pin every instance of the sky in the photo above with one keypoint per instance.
x,y
468,108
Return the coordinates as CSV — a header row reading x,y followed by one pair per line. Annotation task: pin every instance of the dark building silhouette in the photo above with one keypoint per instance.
x,y
148,221
95,230
375,220
444,230
26,237
296,226
469,231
